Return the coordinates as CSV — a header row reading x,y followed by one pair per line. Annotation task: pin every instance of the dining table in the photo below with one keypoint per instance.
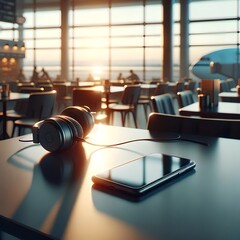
x,y
225,110
47,195
109,90
12,96
229,97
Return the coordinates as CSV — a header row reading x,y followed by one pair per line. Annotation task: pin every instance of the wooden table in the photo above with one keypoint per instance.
x,y
50,196
4,100
222,110
229,97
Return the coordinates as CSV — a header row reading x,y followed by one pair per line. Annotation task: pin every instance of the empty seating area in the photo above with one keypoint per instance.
x,y
119,119
152,97
227,85
156,97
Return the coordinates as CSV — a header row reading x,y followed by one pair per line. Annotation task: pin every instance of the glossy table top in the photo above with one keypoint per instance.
x,y
229,96
222,110
112,89
14,96
51,195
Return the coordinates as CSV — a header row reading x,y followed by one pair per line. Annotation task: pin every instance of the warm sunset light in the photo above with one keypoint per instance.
x,y
97,71
119,119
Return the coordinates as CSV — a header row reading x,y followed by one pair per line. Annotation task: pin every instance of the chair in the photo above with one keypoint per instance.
x,y
40,106
168,123
18,111
20,107
191,85
146,103
13,85
43,82
163,104
224,86
161,88
92,99
145,99
128,103
179,87
231,83
185,98
62,98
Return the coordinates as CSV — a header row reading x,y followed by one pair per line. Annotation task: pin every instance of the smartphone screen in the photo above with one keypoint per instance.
x,y
143,174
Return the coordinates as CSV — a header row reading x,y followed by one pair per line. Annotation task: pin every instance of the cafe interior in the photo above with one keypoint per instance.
x,y
104,79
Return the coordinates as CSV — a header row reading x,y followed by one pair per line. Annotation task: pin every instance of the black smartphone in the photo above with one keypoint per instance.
x,y
142,175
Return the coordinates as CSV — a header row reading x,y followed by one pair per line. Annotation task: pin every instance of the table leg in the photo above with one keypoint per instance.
x,y
107,94
4,134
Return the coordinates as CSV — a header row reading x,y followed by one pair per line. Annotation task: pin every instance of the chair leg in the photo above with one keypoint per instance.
x,y
123,117
13,130
111,117
19,131
134,113
145,107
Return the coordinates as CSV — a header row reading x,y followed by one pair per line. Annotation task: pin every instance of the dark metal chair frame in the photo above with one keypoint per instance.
x,y
183,125
128,103
163,104
40,106
91,98
185,98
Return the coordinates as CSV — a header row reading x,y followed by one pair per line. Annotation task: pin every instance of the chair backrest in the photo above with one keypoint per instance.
x,y
131,94
43,82
185,98
163,104
84,97
61,90
224,87
41,105
180,86
191,85
167,123
46,87
231,83
161,88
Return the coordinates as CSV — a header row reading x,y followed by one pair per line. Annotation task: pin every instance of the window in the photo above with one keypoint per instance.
x,y
213,30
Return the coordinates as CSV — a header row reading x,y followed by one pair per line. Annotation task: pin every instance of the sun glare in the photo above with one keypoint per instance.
x,y
97,72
